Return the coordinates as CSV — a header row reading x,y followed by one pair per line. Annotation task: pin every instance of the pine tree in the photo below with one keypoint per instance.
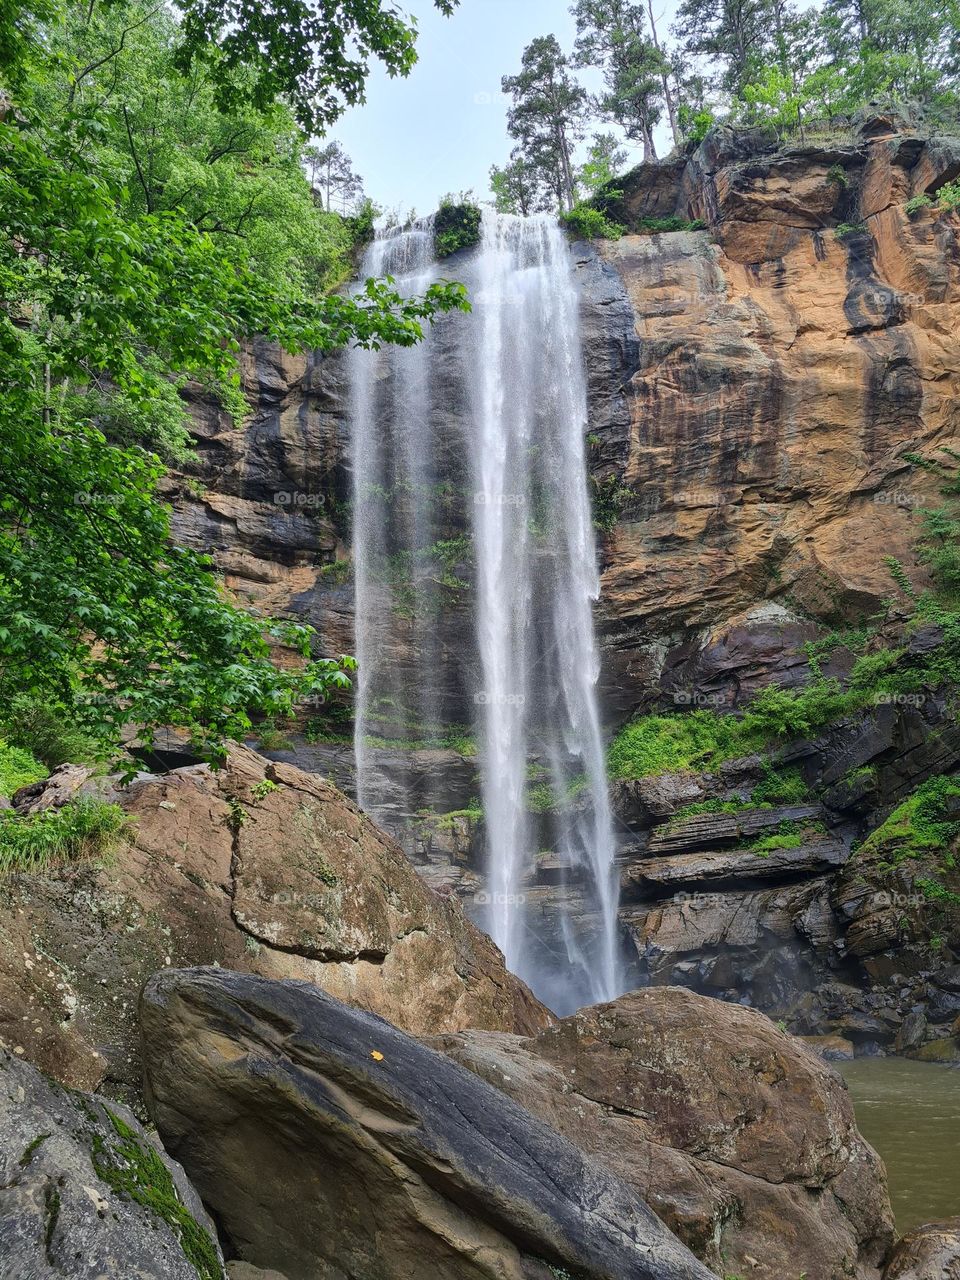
x,y
547,116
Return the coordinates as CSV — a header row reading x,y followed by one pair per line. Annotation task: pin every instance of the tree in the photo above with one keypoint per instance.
x,y
735,35
519,187
314,54
605,158
114,285
547,115
611,34
331,174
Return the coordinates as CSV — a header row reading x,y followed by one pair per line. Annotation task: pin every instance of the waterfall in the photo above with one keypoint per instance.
x,y
496,401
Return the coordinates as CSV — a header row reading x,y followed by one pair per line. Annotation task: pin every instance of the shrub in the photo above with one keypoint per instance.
x,y
657,226
18,769
787,787
609,497
949,195
916,203
45,731
456,226
591,224
845,229
838,175
86,827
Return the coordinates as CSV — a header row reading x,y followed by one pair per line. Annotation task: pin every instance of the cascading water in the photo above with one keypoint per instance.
x,y
503,392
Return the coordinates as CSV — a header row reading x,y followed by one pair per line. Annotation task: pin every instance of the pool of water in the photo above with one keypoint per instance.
x,y
910,1113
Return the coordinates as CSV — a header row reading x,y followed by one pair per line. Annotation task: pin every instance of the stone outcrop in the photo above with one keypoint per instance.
x,y
742,1140
931,1252
257,867
329,1143
85,1193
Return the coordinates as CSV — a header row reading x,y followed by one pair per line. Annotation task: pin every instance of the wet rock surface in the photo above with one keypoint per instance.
x,y
85,1193
931,1252
327,1142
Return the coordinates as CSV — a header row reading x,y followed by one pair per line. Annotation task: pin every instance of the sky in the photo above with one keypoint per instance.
x,y
442,128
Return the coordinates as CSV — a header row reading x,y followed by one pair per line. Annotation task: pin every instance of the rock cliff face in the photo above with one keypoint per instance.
x,y
755,386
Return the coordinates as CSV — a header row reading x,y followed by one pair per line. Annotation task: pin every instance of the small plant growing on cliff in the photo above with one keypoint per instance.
x,y
84,828
838,175
263,789
948,197
134,1170
591,224
609,499
916,203
847,229
457,224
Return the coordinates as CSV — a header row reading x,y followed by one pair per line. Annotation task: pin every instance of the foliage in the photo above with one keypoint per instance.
x,y
696,124
86,827
316,54
113,291
927,821
845,229
589,223
457,225
47,732
18,768
948,196
547,116
519,187
658,226
609,497
780,787
605,157
916,203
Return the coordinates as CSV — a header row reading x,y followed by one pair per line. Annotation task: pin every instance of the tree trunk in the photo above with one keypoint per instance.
x,y
665,81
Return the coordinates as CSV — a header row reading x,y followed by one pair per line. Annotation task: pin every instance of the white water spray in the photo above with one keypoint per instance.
x,y
513,373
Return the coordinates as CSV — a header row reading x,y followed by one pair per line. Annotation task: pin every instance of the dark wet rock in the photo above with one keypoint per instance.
x,y
85,1193
709,870
327,1141
707,830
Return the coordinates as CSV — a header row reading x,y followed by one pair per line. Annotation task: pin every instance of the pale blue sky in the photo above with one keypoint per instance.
x,y
443,127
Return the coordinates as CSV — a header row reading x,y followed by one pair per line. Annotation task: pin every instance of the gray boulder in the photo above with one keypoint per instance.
x,y
329,1144
85,1194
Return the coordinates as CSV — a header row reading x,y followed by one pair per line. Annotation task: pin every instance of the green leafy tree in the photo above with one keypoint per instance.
x,y
732,35
605,158
612,35
332,177
520,187
112,289
547,115
314,54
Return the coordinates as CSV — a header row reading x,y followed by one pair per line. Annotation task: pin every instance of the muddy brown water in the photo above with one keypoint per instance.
x,y
910,1113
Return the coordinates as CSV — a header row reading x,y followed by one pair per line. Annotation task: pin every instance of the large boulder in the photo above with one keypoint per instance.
x,y
85,1193
741,1139
329,1143
257,867
931,1252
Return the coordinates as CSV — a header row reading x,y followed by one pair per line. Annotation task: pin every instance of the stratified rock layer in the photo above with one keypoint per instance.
x,y
330,1144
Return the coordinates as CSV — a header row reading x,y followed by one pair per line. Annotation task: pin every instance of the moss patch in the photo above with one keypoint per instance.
x,y
135,1171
